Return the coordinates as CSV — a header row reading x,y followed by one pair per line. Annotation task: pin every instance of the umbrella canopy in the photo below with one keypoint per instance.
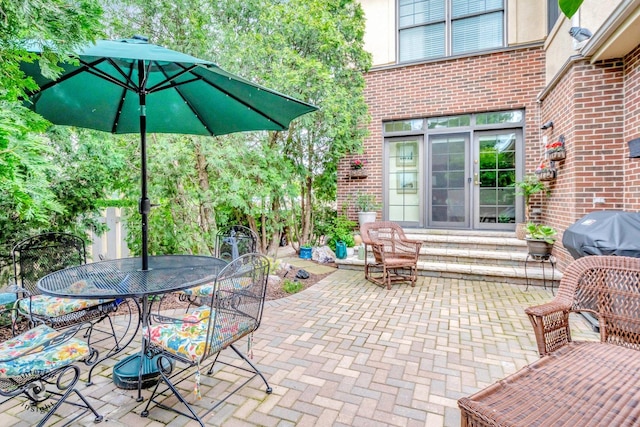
x,y
132,86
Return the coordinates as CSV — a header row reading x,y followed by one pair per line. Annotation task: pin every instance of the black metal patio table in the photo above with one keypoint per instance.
x,y
124,278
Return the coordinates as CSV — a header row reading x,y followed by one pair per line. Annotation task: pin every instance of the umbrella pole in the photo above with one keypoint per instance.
x,y
145,204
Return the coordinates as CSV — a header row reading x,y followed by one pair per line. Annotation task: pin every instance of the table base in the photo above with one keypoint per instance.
x,y
125,372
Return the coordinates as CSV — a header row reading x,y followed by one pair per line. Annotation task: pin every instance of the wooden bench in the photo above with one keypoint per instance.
x,y
575,383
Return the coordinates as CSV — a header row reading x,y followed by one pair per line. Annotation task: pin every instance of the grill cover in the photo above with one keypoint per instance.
x,y
604,233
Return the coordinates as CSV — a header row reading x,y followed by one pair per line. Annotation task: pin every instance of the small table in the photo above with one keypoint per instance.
x,y
541,259
124,278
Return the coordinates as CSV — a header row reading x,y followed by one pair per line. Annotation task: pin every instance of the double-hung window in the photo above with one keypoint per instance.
x,y
437,28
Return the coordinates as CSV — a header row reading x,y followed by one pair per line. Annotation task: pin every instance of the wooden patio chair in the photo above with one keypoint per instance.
x,y
197,338
395,257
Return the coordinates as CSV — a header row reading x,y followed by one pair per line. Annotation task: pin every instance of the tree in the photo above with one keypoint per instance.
x,y
311,50
58,27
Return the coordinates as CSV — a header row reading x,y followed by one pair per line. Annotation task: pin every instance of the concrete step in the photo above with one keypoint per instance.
x,y
474,255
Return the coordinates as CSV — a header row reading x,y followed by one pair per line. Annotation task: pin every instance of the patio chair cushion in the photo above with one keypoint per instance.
x,y
188,339
47,306
206,290
42,360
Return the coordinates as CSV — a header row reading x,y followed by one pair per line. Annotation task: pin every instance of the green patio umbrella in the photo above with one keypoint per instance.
x,y
132,86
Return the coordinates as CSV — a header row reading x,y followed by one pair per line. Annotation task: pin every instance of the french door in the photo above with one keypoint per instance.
x,y
455,180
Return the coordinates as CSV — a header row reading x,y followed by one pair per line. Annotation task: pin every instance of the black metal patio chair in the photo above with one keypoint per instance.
x,y
41,366
231,243
46,253
198,338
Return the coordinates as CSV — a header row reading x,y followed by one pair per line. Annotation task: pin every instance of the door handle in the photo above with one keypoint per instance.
x,y
475,179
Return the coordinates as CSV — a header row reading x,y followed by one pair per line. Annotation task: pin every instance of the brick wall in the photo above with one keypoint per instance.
x,y
587,107
493,82
632,128
596,107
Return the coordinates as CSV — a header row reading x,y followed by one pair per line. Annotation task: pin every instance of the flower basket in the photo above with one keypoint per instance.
x,y
545,174
556,150
557,154
357,173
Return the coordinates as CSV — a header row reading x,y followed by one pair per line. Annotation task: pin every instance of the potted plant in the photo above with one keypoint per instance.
x,y
366,205
529,186
540,239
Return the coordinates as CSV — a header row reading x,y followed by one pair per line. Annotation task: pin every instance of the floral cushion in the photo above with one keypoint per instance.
x,y
44,359
206,290
188,339
47,306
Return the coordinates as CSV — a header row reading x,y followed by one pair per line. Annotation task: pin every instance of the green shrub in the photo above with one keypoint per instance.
x,y
342,230
291,287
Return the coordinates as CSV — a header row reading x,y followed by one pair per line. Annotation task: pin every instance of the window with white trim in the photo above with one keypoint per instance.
x,y
436,28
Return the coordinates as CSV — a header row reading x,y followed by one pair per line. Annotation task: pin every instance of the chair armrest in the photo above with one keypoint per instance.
x,y
550,323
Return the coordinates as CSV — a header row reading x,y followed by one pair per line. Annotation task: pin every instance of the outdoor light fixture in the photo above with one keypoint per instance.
x,y
547,125
580,34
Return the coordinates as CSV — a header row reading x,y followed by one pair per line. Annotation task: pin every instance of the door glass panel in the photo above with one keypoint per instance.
x,y
497,174
448,194
404,186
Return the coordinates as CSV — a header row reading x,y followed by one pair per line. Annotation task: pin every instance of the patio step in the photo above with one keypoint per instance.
x,y
474,255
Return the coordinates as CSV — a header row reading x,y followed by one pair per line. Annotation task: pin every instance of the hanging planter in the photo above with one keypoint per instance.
x,y
556,150
545,171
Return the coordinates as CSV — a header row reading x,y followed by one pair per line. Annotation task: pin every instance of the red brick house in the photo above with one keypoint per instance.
x,y
461,95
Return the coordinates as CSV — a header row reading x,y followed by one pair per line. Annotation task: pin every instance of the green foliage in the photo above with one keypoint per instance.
x,y
541,232
342,231
311,50
29,202
366,202
529,186
291,286
569,7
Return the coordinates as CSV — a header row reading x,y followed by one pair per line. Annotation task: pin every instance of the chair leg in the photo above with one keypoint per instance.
x,y
167,376
69,388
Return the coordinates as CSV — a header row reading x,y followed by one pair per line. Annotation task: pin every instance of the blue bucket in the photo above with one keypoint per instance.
x,y
305,253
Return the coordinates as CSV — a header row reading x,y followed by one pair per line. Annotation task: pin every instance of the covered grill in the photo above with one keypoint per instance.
x,y
604,233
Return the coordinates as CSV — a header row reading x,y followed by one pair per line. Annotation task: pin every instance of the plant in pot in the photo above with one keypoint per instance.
x,y
367,206
341,231
540,239
529,186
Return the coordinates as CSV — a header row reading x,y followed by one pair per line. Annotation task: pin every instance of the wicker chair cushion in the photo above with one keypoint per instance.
x,y
39,362
46,306
188,339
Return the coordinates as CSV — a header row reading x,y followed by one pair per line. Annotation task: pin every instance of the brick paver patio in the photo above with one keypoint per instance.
x,y
348,353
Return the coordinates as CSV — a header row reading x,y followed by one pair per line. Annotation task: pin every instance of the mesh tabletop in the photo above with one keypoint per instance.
x,y
125,277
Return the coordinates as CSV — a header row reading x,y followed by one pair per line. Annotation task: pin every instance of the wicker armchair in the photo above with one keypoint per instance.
x,y
395,257
608,287
577,383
